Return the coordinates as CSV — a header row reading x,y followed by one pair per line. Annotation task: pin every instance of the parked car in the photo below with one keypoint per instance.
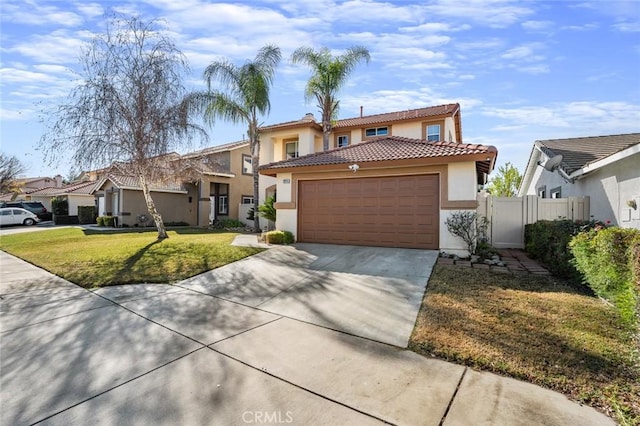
x,y
17,216
33,206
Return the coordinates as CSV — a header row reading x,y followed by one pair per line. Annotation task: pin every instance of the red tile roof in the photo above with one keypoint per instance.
x,y
385,149
77,188
411,114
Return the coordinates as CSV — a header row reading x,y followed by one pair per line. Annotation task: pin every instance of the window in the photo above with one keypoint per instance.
x,y
433,132
247,199
342,140
5,213
556,192
247,167
291,149
542,192
377,131
223,205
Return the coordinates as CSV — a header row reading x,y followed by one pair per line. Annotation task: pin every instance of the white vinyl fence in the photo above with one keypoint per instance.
x,y
507,216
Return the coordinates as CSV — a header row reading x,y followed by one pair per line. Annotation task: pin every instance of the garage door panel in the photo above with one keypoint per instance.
x,y
387,211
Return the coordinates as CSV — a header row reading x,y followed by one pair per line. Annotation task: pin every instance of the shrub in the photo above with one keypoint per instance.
x,y
179,223
267,210
86,214
105,220
608,259
278,237
63,219
548,242
470,227
251,214
60,206
227,223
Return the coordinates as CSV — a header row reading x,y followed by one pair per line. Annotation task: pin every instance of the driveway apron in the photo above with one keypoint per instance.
x,y
370,292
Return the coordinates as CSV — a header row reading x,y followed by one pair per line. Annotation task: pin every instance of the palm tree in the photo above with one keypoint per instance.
x,y
246,98
329,75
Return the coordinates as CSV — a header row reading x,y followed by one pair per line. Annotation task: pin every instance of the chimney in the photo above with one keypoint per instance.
x,y
361,110
58,179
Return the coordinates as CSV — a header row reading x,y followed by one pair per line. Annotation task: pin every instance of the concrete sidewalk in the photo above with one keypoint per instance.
x,y
166,354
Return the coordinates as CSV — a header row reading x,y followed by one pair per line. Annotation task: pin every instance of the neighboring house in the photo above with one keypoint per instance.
x,y
391,179
604,168
24,186
208,185
76,193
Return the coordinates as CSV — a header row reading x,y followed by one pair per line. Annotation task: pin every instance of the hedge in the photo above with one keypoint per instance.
x,y
278,237
86,214
609,259
63,219
105,220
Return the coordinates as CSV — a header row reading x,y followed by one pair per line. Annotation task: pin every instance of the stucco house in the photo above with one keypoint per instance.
x,y
390,180
76,194
604,168
208,185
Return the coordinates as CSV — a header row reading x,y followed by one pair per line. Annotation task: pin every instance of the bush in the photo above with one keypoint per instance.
x,y
105,220
278,237
86,214
470,227
60,206
179,223
63,219
227,223
267,210
548,242
608,259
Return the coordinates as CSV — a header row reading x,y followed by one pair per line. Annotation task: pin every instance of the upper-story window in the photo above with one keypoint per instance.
x,y
291,149
377,131
247,168
433,132
342,140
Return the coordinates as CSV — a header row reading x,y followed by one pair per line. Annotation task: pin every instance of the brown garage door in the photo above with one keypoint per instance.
x,y
398,211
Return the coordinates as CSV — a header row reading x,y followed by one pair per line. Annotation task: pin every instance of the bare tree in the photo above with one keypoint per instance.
x,y
129,106
10,168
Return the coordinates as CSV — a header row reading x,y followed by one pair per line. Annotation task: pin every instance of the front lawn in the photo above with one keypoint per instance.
x,y
535,329
98,258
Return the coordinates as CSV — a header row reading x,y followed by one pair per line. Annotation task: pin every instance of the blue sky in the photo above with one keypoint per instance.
x,y
521,70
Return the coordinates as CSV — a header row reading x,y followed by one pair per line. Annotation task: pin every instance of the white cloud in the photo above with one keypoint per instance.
x,y
537,25
34,13
493,13
627,27
583,27
58,47
580,117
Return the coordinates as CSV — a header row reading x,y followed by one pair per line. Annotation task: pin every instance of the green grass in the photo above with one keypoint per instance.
x,y
535,329
98,258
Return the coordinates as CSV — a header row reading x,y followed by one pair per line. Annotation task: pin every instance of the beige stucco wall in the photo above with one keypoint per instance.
x,y
173,207
79,200
462,181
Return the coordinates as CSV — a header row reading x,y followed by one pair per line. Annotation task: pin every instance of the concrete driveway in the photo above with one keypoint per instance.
x,y
270,339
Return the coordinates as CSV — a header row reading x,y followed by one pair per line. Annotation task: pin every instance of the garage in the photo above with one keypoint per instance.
x,y
393,211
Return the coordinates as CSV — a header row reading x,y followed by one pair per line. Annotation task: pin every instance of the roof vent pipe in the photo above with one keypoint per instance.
x,y
361,109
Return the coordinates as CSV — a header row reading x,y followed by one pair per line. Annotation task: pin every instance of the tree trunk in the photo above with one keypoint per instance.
x,y
254,143
151,207
326,130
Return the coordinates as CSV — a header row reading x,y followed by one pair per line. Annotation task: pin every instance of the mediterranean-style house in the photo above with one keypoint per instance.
x,y
76,193
209,185
389,179
604,168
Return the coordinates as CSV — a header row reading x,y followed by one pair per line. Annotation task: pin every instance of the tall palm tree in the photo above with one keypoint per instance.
x,y
244,99
329,75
